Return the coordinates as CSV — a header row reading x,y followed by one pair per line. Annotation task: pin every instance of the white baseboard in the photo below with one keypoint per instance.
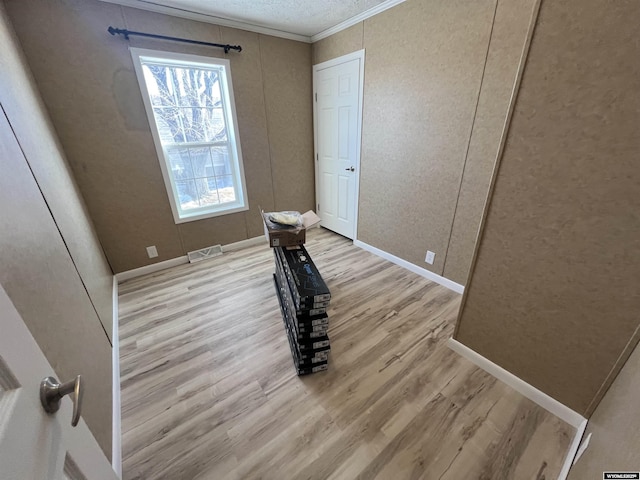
x,y
423,272
174,262
116,438
155,267
249,242
550,404
573,450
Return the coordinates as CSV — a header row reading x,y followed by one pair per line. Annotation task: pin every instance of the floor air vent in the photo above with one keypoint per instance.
x,y
204,253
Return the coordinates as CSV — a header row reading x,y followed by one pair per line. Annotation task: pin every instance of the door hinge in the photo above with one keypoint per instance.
x,y
318,208
316,96
317,158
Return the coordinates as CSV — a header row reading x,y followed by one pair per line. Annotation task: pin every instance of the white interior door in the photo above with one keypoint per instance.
x,y
35,445
338,86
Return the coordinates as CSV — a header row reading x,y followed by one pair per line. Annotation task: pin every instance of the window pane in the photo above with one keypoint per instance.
x,y
190,105
203,124
170,125
187,194
213,125
207,192
180,163
160,85
221,161
201,161
225,189
196,87
184,87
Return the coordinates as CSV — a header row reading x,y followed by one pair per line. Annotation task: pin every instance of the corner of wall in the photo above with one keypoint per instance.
x,y
116,439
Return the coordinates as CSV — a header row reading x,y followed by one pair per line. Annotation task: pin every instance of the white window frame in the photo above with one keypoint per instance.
x,y
181,216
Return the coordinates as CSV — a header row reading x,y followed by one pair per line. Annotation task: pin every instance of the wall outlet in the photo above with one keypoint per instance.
x,y
430,258
152,251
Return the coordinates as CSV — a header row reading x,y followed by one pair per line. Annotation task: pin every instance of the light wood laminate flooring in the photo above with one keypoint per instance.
x,y
209,390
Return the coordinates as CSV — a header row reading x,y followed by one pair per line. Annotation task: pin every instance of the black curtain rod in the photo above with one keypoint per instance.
x,y
127,33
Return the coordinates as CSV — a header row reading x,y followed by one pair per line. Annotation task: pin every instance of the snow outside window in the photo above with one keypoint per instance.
x,y
189,102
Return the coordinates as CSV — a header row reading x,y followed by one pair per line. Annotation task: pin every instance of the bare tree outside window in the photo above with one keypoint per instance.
x,y
193,125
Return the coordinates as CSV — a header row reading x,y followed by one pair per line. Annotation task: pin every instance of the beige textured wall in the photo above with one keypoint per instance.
x,y
505,50
288,98
422,80
89,87
41,216
554,294
427,155
338,44
615,428
27,114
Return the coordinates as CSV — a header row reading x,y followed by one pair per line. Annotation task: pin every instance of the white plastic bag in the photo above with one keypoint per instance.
x,y
292,219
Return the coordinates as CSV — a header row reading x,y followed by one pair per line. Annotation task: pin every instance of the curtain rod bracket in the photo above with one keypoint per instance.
x,y
127,33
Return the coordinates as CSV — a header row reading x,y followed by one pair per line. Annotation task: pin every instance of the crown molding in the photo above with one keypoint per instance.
x,y
226,22
355,19
203,17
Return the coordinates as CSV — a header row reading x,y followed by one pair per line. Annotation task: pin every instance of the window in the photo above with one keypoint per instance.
x,y
189,102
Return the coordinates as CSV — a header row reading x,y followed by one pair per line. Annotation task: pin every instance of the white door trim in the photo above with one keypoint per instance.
x,y
316,68
116,419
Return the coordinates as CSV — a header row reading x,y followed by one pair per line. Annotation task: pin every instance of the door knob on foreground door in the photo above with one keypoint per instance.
x,y
352,169
51,393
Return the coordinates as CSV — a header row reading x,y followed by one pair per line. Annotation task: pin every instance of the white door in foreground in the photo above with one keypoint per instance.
x,y
338,117
35,445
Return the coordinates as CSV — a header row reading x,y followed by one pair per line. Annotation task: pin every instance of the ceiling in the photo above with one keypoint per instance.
x,y
306,20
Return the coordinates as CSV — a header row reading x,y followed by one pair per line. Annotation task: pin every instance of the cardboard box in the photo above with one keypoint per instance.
x,y
308,288
304,316
285,236
302,332
307,357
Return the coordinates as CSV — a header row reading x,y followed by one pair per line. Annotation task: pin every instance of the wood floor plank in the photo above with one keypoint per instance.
x,y
209,390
